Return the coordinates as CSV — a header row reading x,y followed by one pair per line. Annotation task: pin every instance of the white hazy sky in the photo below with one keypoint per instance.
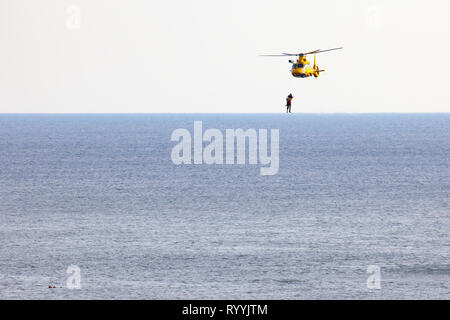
x,y
202,56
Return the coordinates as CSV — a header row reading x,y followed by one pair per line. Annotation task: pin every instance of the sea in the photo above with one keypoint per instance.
x,y
93,206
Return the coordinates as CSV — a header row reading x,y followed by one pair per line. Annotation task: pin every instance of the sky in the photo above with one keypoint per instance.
x,y
202,56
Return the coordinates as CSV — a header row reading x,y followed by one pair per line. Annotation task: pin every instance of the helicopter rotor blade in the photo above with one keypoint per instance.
x,y
312,52
315,51
278,55
284,54
320,51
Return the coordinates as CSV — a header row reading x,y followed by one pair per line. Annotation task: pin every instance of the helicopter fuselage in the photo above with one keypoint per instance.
x,y
303,69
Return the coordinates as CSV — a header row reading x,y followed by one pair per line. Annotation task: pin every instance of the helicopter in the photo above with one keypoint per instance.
x,y
302,68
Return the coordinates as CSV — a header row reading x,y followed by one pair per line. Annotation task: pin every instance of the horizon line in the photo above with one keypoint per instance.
x,y
221,113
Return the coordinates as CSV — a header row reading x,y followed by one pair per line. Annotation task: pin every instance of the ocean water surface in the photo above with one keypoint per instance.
x,y
102,193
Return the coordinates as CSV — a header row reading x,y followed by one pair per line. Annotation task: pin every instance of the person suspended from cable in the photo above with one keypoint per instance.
x,y
288,102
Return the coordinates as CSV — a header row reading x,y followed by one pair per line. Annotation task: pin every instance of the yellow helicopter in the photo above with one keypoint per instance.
x,y
302,68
